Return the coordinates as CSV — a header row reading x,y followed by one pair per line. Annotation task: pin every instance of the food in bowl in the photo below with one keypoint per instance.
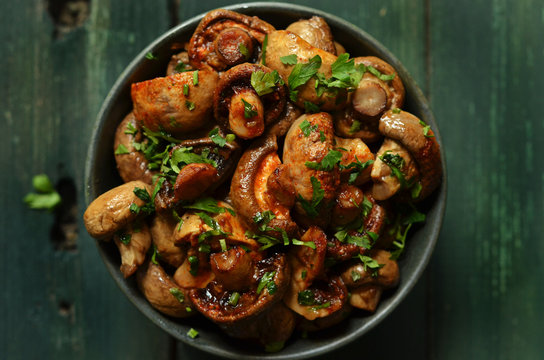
x,y
270,180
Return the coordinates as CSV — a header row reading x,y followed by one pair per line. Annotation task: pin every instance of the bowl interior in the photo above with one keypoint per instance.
x,y
101,175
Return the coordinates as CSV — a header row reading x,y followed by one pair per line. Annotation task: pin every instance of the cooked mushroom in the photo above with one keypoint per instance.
x,y
379,90
193,180
356,160
249,190
393,170
239,107
178,63
179,103
312,294
226,226
133,243
368,283
283,43
195,272
315,31
268,279
418,138
311,145
131,164
162,293
111,211
162,233
225,38
348,205
285,120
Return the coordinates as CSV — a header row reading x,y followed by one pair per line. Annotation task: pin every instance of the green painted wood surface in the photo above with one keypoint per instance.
x,y
478,61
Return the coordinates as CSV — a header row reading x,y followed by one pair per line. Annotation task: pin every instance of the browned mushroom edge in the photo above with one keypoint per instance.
x,y
419,140
234,94
215,42
315,31
242,190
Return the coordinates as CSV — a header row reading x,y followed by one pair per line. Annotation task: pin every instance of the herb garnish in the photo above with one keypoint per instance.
x,y
264,83
328,162
311,207
379,75
150,56
263,52
177,294
370,263
307,128
265,280
190,105
121,150
300,74
194,263
195,78
124,237
192,333
426,129
47,197
311,108
289,59
233,299
243,50
249,110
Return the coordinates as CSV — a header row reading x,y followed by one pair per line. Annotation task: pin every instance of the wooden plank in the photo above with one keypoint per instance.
x,y
486,89
63,302
401,27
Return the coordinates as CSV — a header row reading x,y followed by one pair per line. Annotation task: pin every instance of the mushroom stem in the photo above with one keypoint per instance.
x,y
246,114
370,98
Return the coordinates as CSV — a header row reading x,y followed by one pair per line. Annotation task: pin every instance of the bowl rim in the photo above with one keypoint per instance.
x,y
169,325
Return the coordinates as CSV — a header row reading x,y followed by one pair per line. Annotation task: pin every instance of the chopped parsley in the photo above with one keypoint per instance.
x,y
370,264
300,74
195,77
154,254
178,294
289,59
243,50
267,278
405,218
379,75
249,110
149,202
357,168
150,56
223,245
124,237
311,207
210,205
192,333
121,150
426,129
47,197
396,110
307,128
355,126
322,137
181,67
130,129
306,297
233,299
355,275
217,138
194,263
263,218
322,306
186,89
310,107
265,82
328,162
303,274
345,75
190,105
396,163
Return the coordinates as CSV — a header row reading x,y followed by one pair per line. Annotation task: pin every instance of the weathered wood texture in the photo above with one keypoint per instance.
x,y
479,63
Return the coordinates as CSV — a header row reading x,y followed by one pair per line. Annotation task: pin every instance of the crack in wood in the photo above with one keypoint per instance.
x,y
67,15
64,231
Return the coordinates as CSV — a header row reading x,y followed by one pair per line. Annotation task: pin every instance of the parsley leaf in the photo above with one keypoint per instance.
x,y
121,150
426,129
263,52
190,105
249,109
178,294
192,333
355,275
332,158
216,138
208,204
46,198
355,126
370,263
302,72
124,237
289,59
181,67
379,75
243,50
150,56
311,108
264,83
195,77
311,207
265,280
358,167
307,128
233,299
194,263
130,129
306,297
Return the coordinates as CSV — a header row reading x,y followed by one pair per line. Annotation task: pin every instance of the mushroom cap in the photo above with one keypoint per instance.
x,y
213,301
315,31
410,131
237,78
202,48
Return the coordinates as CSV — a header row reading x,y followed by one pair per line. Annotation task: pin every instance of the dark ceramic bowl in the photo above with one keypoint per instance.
x,y
101,175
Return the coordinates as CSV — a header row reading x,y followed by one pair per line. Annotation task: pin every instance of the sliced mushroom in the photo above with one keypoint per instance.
x,y
193,180
161,103
366,297
225,38
133,243
131,165
269,280
300,149
312,294
110,212
315,31
283,43
239,107
419,140
249,190
162,232
234,227
386,182
162,293
178,63
355,154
